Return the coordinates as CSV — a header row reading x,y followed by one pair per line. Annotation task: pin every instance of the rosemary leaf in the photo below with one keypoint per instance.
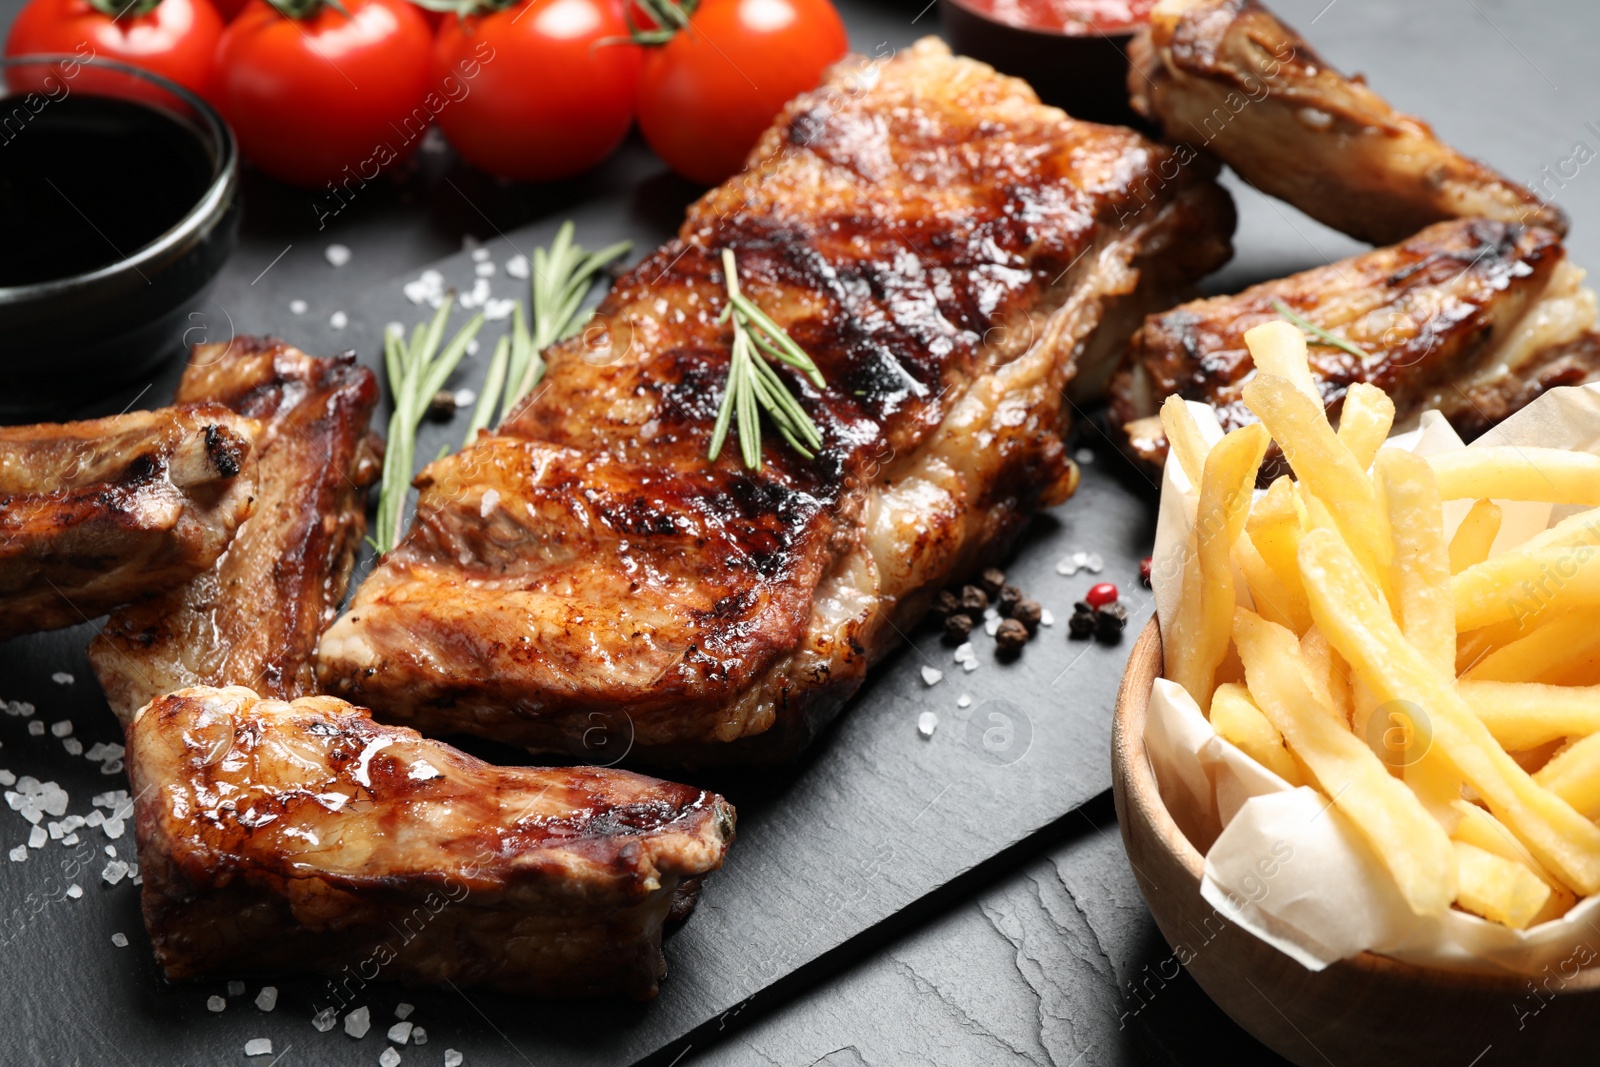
x,y
1317,332
493,382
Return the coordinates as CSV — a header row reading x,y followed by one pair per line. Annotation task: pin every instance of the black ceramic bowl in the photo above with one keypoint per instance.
x,y
68,340
1083,73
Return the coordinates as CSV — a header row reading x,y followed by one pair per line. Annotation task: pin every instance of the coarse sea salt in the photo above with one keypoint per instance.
x,y
964,702
484,269
358,1022
36,728
927,723
325,1020
114,872
338,320
419,1036
267,999
74,890
400,1033
452,1058
62,678
258,1046
517,266
338,255
480,255
73,746
388,1058
403,1010
298,307
18,854
931,675
61,729
1045,618
216,1003
235,989
119,939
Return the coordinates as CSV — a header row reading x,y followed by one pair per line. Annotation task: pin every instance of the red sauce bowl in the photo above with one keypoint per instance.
x,y
1073,52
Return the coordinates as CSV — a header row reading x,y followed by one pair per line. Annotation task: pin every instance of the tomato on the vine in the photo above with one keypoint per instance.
x,y
321,93
553,91
708,92
176,39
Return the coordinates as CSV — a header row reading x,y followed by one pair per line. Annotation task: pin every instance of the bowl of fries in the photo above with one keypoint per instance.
x,y
1357,754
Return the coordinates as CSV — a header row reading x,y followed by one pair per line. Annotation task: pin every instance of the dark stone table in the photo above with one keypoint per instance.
x,y
1048,956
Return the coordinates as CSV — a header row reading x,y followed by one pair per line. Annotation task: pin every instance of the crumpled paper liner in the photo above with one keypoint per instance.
x,y
1281,861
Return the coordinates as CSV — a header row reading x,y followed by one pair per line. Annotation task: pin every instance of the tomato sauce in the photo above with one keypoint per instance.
x,y
1082,17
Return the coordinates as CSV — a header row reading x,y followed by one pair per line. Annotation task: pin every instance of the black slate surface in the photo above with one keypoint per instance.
x,y
885,902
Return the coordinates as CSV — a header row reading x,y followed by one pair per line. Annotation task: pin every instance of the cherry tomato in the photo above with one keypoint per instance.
x,y
1101,595
330,95
708,93
538,95
229,9
176,39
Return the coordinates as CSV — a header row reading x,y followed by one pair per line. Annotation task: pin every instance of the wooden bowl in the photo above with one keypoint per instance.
x,y
1367,1010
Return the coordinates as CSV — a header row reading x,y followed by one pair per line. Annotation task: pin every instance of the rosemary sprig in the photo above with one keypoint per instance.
x,y
753,384
417,370
1331,340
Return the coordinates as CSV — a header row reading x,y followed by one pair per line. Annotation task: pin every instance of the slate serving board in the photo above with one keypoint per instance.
x,y
872,823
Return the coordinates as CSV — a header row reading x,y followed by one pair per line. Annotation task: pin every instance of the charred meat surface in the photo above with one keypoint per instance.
x,y
1226,77
1474,318
941,244
304,836
254,618
108,511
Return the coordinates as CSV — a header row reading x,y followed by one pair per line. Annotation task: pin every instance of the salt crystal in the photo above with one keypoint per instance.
x,y
490,500
258,1046
267,999
991,612
992,626
298,307
216,1003
70,839
73,746
338,320
400,1033
931,675
452,1058
517,266
415,292
74,890
19,853
395,329
496,310
235,989
1084,456
95,818
1094,563
388,1058
62,678
54,799
431,278
56,832
37,837
119,939
480,255
970,666
338,255
7,778
465,398
36,728
927,722
403,1010
115,871
1066,566
1045,618
472,346
964,702
419,1036
964,650
24,708
358,1022
484,269
111,766
112,828
61,729
325,1020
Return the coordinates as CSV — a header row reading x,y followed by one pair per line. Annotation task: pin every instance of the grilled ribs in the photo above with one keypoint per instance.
x,y
1227,77
305,836
255,617
941,244
99,513
1475,318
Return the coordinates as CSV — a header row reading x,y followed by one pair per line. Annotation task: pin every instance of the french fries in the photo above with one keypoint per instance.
x,y
1445,700
1475,536
1407,839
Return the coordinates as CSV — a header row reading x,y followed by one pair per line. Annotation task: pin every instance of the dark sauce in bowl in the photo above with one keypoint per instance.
x,y
90,180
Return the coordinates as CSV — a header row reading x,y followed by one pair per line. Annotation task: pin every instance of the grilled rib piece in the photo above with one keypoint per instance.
x,y
939,242
1227,77
254,618
305,836
1475,318
99,513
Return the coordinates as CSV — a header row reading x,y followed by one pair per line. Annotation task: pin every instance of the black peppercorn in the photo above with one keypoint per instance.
x,y
1010,596
973,600
1081,625
1110,620
992,580
442,405
1028,613
1011,636
957,627
945,605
